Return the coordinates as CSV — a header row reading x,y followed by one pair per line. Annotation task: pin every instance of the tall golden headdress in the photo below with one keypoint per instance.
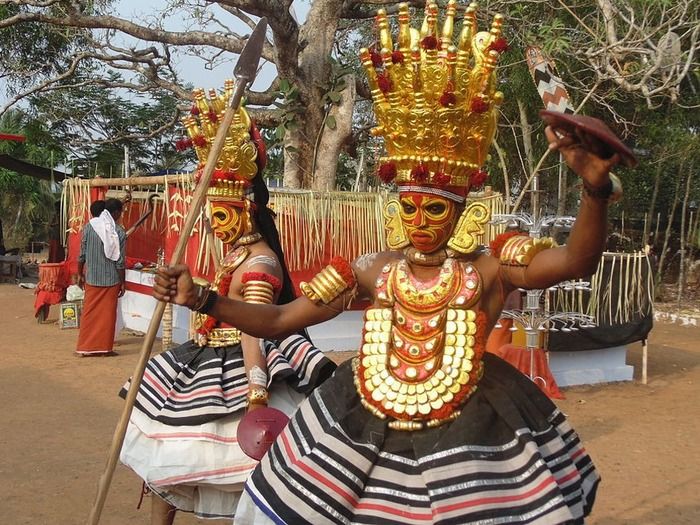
x,y
238,162
436,103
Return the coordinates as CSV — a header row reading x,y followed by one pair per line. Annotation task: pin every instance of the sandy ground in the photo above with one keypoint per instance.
x,y
59,414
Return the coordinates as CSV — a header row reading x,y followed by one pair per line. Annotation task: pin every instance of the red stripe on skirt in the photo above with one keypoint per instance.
x,y
98,319
423,515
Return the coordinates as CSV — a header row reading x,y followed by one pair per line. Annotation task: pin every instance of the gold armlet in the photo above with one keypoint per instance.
x,y
260,287
260,292
330,282
521,249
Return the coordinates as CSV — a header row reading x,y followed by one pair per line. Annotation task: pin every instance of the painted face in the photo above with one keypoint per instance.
x,y
229,221
428,220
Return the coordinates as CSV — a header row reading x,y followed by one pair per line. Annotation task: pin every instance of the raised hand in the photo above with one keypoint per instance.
x,y
583,154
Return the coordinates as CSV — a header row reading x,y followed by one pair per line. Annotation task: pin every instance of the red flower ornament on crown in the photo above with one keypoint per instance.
x,y
420,174
500,45
376,58
477,178
448,99
437,108
479,106
243,155
441,178
387,172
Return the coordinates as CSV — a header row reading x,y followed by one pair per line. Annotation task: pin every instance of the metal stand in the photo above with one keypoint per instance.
x,y
535,319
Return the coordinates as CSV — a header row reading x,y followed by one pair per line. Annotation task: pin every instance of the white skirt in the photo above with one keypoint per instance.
x,y
196,468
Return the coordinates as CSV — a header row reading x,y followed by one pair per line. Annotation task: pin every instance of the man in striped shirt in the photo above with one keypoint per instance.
x,y
102,250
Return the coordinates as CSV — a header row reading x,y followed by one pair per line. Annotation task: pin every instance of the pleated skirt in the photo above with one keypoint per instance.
x,y
510,457
181,439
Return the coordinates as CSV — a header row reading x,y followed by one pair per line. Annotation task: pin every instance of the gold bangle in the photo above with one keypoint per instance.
x,y
325,286
257,396
260,292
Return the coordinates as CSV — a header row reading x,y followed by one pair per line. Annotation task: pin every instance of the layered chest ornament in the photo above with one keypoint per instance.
x,y
422,346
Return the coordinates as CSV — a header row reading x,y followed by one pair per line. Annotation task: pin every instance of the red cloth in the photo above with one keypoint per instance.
x,y
520,358
53,279
98,320
46,298
499,336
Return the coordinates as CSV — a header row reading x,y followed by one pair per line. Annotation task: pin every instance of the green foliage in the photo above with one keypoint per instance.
x,y
36,50
334,87
27,205
289,104
96,124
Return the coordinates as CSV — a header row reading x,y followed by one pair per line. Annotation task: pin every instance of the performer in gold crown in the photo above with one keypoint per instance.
x,y
182,437
423,426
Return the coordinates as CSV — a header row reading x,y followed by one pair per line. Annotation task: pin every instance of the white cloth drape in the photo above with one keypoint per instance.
x,y
106,230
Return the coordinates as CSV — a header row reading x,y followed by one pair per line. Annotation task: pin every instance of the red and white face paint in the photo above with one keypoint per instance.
x,y
428,220
229,220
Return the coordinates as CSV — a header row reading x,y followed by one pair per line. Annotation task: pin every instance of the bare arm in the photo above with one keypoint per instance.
x,y
254,357
582,252
174,284
81,257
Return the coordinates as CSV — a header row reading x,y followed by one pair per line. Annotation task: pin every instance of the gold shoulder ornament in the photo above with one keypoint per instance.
x,y
521,249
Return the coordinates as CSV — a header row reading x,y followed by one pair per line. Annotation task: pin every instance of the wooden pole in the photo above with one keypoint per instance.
x,y
211,244
135,181
248,66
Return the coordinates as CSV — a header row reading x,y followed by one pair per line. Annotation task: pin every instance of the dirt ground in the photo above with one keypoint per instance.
x,y
59,414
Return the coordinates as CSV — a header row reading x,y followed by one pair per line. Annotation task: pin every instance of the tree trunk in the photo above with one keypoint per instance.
x,y
529,160
562,188
652,203
667,234
299,162
331,140
18,217
311,74
681,271
291,177
506,180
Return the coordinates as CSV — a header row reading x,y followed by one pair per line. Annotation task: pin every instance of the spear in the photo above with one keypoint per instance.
x,y
244,72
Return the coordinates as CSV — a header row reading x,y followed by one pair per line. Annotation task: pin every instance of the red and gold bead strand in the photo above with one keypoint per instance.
x,y
415,367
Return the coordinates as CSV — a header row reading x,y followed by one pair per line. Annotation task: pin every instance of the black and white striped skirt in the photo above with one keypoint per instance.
x,y
191,385
510,457
182,434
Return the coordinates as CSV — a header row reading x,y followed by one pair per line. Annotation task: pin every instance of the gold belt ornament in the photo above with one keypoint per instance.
x,y
218,337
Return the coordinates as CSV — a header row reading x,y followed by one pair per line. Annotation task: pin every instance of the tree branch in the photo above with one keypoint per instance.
x,y
194,38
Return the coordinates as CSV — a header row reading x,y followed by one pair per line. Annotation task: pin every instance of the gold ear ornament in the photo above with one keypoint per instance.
x,y
395,234
467,234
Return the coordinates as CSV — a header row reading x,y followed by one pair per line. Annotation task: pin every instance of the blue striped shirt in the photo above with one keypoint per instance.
x,y
101,271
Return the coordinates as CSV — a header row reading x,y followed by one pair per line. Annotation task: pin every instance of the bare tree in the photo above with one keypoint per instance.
x,y
647,48
299,51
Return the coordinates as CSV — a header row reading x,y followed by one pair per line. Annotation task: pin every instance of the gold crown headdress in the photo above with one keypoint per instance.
x,y
435,102
238,162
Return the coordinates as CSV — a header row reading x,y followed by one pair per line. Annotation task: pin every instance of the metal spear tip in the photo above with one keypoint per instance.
x,y
247,65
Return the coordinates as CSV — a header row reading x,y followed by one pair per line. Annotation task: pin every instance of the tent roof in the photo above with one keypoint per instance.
x,y
26,168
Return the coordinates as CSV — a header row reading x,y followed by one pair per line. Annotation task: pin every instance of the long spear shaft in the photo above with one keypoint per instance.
x,y
245,73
